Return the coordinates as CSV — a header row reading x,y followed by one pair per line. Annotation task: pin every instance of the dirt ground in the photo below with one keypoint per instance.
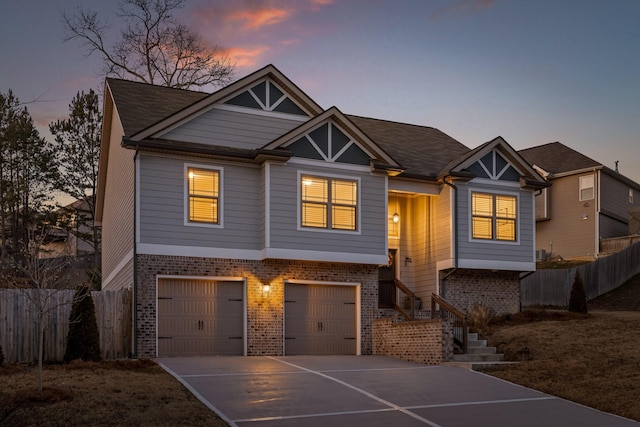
x,y
131,393
592,359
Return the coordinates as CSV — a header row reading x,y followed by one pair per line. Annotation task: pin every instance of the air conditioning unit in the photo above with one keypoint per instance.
x,y
541,255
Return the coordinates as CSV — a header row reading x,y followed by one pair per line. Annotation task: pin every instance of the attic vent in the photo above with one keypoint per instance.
x,y
267,96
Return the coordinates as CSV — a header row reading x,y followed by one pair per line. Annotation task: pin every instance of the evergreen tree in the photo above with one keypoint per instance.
x,y
578,297
83,341
77,147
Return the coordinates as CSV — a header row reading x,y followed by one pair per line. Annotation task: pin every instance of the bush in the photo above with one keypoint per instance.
x,y
479,317
83,341
578,297
1,356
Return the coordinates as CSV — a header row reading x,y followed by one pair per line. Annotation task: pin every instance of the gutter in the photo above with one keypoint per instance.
x,y
455,234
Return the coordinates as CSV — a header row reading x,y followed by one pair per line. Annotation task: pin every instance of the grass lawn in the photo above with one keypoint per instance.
x,y
591,359
131,393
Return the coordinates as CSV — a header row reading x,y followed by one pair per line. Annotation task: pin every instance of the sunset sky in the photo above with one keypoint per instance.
x,y
532,72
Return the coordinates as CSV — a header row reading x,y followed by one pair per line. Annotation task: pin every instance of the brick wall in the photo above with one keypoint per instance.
x,y
499,290
265,313
422,341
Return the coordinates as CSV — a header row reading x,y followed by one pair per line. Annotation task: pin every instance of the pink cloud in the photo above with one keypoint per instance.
x,y
245,57
316,5
259,18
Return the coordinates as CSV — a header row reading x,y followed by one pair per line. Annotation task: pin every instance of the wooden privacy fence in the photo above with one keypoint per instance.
x,y
553,287
19,325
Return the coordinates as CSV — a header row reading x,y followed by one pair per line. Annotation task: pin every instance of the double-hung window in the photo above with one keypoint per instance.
x,y
493,216
586,187
328,203
203,194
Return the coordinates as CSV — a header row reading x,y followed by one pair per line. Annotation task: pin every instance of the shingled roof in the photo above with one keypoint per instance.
x,y
557,158
423,151
140,105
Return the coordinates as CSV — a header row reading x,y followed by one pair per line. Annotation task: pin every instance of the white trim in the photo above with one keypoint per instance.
x,y
258,255
210,279
386,223
123,262
267,204
300,227
493,192
264,113
481,264
358,288
414,187
220,170
320,163
137,197
502,183
342,257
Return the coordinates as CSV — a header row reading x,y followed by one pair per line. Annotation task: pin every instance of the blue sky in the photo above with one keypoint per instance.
x,y
532,72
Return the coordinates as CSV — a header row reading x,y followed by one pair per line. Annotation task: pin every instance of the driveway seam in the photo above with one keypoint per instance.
x,y
364,392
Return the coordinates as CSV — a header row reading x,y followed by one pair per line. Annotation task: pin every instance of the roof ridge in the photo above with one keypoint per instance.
x,y
393,121
154,85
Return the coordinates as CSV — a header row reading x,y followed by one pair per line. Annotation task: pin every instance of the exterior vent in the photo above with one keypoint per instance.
x,y
541,255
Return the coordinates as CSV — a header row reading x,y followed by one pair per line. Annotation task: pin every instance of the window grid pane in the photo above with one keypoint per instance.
x,y
493,217
328,203
204,188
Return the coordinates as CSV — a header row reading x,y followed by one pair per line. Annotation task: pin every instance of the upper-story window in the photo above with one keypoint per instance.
x,y
203,192
493,216
328,203
586,187
631,196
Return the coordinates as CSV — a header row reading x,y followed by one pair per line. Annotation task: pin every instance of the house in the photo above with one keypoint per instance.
x,y
72,236
253,221
587,202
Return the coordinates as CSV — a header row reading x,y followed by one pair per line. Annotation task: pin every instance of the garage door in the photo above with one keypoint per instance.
x,y
320,319
199,317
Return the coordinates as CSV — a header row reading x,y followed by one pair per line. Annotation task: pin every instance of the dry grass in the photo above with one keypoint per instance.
x,y
132,393
591,359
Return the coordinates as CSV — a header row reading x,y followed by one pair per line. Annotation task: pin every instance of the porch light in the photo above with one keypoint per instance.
x,y
396,218
266,288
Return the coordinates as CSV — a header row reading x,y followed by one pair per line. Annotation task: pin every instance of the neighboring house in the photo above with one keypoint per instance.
x,y
72,237
586,202
252,221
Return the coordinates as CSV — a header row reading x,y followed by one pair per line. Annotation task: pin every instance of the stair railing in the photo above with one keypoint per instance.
x,y
458,319
410,296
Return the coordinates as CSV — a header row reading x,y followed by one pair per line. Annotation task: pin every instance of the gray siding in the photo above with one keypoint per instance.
x,y
443,230
284,219
614,203
123,279
118,212
522,251
232,129
162,198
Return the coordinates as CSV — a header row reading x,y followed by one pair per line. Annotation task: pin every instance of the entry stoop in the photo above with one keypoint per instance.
x,y
478,352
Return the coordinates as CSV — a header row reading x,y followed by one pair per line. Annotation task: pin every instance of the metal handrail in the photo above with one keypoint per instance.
x,y
450,312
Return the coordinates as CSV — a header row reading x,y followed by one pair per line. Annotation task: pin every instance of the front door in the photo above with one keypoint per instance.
x,y
386,286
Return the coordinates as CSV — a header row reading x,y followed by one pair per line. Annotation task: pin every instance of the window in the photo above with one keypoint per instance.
x,y
630,196
329,203
204,195
493,217
586,187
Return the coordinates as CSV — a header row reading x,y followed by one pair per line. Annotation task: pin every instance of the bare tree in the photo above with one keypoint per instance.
x,y
153,47
36,279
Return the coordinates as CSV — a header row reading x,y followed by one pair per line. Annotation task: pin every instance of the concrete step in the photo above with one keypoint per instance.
x,y
477,343
472,336
481,350
477,357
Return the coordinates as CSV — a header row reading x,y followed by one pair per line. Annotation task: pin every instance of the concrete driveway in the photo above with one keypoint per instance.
x,y
369,391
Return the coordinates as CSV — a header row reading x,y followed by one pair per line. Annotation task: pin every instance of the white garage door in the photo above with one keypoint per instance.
x,y
200,317
320,319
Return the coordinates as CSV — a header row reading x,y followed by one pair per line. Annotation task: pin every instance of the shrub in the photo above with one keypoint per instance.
x,y
578,297
1,356
479,317
83,341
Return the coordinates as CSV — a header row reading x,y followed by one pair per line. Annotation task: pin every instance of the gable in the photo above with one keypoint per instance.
x,y
330,143
495,167
267,95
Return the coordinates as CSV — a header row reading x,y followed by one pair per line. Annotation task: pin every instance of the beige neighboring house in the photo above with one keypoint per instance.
x,y
586,202
68,240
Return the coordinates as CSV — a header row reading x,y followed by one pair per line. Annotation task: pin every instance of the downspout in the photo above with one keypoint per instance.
x,y
455,234
596,252
135,255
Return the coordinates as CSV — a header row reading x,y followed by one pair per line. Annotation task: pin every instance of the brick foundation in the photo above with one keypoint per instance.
x,y
499,290
265,316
